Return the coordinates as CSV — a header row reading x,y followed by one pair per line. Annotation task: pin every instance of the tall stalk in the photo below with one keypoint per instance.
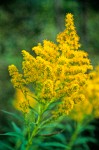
x,y
74,137
36,129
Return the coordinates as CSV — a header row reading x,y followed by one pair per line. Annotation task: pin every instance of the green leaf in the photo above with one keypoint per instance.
x,y
53,104
12,134
16,128
54,144
88,127
48,123
23,145
34,111
12,114
60,137
82,140
69,128
5,146
86,147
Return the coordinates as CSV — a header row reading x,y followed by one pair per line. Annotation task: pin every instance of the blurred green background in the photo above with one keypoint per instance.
x,y
24,23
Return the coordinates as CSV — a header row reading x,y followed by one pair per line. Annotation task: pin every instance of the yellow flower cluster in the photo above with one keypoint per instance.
x,y
17,78
90,107
81,110
58,72
69,38
93,91
22,102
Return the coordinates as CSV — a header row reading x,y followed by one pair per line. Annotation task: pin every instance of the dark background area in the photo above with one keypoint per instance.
x,y
24,23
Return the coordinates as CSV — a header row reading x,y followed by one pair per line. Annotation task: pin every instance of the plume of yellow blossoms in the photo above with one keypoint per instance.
x,y
58,72
90,108
22,102
93,91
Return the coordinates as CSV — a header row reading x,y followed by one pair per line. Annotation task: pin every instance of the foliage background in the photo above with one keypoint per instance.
x,y
25,23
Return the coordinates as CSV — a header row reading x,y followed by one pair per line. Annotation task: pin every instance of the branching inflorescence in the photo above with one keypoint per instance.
x,y
58,72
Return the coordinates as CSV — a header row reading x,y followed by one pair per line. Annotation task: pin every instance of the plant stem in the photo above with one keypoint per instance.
x,y
73,138
36,129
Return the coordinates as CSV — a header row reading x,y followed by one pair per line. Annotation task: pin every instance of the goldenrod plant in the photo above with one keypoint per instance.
x,y
52,83
59,71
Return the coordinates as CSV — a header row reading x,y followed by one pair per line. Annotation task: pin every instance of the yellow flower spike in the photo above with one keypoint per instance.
x,y
66,106
23,103
12,69
47,90
48,51
92,91
90,99
79,98
57,72
17,78
81,110
69,35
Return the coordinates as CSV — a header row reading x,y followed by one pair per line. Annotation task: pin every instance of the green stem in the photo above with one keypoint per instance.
x,y
83,124
36,128
73,138
42,109
31,138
